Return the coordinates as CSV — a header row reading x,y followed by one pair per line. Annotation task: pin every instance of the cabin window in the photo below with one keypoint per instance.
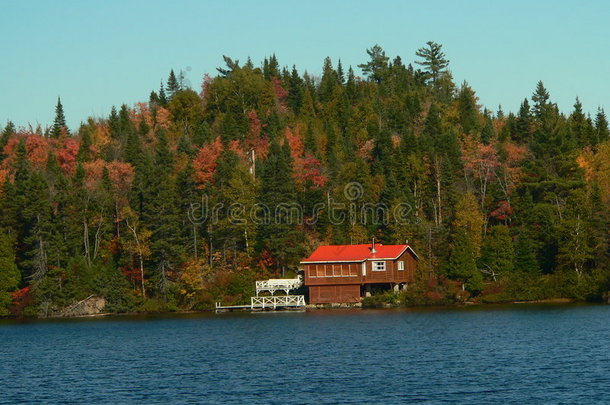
x,y
401,265
364,268
378,266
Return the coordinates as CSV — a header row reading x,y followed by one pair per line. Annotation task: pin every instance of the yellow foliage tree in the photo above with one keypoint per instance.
x,y
192,278
469,218
596,166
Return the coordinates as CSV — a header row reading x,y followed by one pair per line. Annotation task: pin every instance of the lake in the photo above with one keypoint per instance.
x,y
493,354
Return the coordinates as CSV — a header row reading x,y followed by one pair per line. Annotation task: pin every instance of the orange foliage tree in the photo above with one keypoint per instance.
x,y
205,162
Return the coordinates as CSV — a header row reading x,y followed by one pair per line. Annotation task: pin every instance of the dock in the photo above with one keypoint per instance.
x,y
271,302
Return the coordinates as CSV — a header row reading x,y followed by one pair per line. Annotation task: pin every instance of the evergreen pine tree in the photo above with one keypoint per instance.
x,y
500,113
153,99
186,194
9,130
488,132
162,96
523,124
328,82
9,209
581,129
467,109
350,84
185,147
377,67
462,263
249,63
161,215
202,134
433,60
143,128
84,148
133,151
59,128
114,124
525,254
125,124
231,66
540,99
36,228
600,228
173,86
279,236
497,253
9,274
295,90
271,67
601,126
340,73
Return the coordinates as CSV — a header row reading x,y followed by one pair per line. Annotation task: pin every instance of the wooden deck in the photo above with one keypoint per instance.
x,y
278,284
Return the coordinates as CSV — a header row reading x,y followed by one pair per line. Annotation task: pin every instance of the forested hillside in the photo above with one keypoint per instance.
x,y
186,198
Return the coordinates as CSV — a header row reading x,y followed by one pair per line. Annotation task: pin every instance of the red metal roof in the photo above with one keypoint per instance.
x,y
355,253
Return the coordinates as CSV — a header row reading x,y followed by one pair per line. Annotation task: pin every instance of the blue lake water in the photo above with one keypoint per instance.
x,y
505,354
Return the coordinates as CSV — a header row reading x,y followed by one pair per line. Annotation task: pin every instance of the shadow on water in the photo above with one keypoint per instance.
x,y
321,313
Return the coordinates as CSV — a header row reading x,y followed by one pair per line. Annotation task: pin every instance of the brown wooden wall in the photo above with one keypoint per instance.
x,y
327,294
333,273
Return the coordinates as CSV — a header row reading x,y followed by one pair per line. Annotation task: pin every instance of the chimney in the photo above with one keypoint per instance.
x,y
373,246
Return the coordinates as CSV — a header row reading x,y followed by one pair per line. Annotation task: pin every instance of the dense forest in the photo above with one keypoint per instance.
x,y
184,200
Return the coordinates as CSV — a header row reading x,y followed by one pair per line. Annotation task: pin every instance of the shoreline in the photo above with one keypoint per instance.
x,y
321,307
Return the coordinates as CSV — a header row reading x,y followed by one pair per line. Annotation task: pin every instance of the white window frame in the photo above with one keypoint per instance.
x,y
379,266
401,265
364,268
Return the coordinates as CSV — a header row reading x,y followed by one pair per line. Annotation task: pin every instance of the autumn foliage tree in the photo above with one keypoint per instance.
x,y
185,198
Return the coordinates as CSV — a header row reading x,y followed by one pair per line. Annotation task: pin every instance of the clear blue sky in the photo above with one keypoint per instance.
x,y
95,54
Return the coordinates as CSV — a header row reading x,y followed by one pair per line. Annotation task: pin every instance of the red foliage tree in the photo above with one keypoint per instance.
x,y
260,146
206,161
307,168
140,113
121,175
205,85
235,146
66,155
163,117
280,94
254,124
503,212
311,173
38,150
295,142
93,174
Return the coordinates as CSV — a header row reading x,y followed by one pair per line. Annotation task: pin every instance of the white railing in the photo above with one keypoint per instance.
x,y
277,301
279,284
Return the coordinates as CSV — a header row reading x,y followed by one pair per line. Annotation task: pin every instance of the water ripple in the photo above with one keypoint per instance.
x,y
549,354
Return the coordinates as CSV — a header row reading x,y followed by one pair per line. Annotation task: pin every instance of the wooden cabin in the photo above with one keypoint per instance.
x,y
345,273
